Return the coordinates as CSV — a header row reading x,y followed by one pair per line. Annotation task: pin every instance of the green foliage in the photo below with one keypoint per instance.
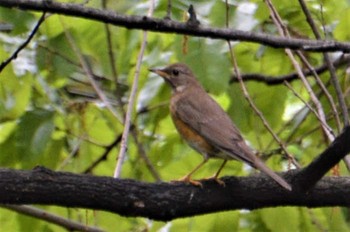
x,y
33,134
281,219
203,52
51,114
15,94
22,20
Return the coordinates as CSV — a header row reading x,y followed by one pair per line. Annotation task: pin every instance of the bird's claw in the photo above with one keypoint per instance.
x,y
187,179
217,180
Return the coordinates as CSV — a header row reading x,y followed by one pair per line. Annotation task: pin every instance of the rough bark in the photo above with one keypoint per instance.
x,y
162,201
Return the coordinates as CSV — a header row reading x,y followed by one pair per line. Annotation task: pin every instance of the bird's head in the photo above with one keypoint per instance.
x,y
179,76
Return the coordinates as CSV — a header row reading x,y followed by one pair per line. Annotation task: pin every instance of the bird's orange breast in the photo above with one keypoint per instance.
x,y
196,141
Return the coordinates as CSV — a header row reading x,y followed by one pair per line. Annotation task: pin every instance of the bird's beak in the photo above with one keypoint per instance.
x,y
160,72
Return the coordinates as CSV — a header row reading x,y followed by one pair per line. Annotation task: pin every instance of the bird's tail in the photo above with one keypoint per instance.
x,y
262,167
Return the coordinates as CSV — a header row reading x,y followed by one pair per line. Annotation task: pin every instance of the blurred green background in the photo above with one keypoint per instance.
x,y
50,114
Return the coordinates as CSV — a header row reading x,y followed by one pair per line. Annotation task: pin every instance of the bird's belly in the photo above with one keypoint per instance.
x,y
197,142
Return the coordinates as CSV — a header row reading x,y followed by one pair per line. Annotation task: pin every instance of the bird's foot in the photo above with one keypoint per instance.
x,y
187,179
217,180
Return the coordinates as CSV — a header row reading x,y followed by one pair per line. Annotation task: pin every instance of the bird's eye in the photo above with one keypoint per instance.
x,y
176,72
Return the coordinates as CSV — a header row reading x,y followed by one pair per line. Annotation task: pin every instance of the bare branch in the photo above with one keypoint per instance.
x,y
49,217
169,26
132,97
26,42
277,80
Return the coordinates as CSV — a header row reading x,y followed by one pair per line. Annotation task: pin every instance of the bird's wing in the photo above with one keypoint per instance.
x,y
208,119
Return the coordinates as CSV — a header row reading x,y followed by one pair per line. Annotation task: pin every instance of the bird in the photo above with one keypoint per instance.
x,y
205,126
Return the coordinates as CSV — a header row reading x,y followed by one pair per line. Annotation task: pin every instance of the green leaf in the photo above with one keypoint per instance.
x,y
336,219
6,130
22,21
34,133
341,31
15,94
281,219
208,62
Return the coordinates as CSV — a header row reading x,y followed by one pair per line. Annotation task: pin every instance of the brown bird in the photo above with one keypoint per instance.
x,y
205,126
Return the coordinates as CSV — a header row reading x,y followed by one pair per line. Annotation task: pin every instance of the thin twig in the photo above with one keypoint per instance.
x,y
251,103
123,146
24,44
284,32
49,217
307,105
324,89
320,112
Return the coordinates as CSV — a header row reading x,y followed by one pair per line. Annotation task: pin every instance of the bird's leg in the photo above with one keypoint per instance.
x,y
216,175
188,179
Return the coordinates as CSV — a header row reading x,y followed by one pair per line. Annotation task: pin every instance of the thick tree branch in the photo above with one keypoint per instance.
x,y
169,26
166,201
162,201
339,148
